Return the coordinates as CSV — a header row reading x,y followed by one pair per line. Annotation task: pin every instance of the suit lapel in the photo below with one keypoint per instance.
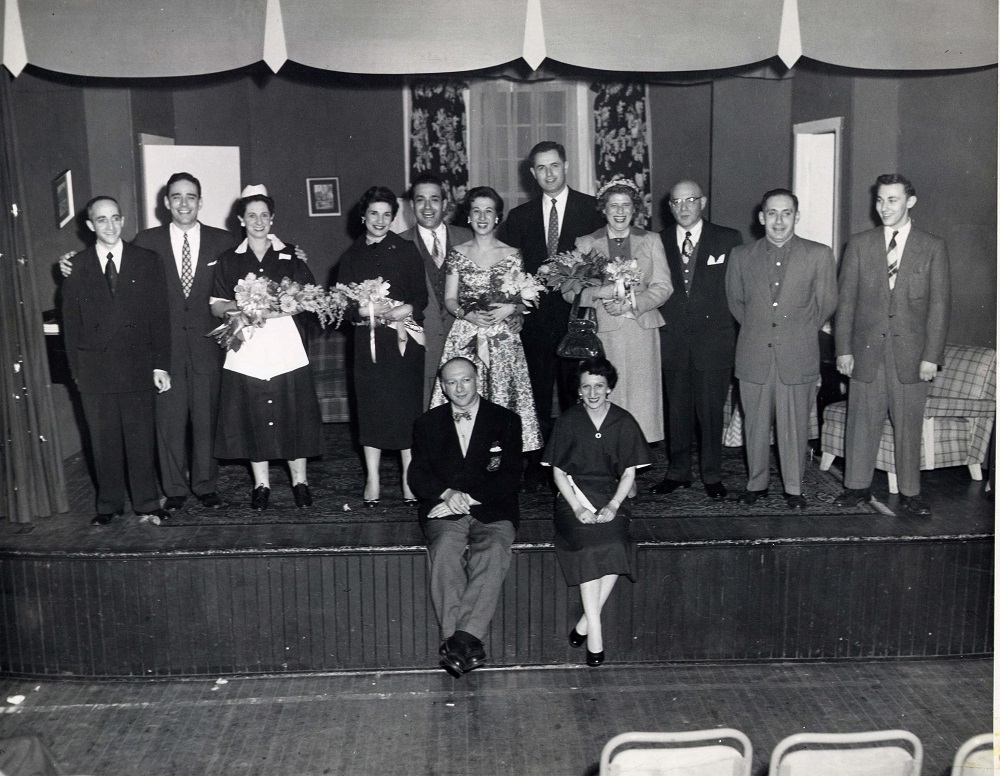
x,y
911,259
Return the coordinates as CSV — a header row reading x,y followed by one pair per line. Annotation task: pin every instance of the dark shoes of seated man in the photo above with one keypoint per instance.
x,y
666,486
155,516
461,652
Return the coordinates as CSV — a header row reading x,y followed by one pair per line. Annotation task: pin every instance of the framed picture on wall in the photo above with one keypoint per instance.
x,y
324,196
62,193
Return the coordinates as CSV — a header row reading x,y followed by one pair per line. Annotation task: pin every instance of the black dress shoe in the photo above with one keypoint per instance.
x,y
210,500
371,503
750,497
154,516
303,498
173,503
667,485
259,497
914,506
475,655
795,501
452,656
411,502
104,518
852,497
716,490
576,640
594,659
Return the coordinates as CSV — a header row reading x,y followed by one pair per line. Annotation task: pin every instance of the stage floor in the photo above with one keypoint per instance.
x,y
340,521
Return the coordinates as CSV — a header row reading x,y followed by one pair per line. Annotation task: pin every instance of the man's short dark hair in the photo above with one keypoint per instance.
x,y
891,178
100,198
427,178
545,146
778,193
183,176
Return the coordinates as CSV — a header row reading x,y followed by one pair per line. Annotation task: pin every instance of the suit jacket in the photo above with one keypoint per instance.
x,y
698,325
437,320
191,318
113,343
789,327
654,289
914,314
489,471
524,229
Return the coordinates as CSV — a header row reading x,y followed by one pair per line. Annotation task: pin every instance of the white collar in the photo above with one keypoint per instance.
x,y
276,243
194,230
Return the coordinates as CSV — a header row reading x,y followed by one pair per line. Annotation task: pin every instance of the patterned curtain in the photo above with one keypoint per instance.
x,y
437,134
621,148
32,483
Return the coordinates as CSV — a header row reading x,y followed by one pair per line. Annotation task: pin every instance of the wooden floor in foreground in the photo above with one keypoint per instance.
x,y
502,722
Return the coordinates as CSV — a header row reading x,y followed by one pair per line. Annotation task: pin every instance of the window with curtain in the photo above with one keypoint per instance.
x,y
506,119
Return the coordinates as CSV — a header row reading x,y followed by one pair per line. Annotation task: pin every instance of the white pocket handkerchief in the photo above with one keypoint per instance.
x,y
712,260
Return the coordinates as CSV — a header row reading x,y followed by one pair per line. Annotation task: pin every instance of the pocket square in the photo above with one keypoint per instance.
x,y
212,263
285,256
713,260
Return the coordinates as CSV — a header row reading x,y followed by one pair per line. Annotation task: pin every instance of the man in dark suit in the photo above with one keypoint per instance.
x,y
545,226
465,469
434,239
117,329
781,290
890,331
188,252
697,340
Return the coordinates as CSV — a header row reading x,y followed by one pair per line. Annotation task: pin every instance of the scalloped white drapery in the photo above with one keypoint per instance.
x,y
143,39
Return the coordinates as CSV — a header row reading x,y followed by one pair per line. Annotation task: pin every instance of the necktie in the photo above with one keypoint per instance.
x,y
187,276
438,258
462,416
892,256
111,273
687,248
552,244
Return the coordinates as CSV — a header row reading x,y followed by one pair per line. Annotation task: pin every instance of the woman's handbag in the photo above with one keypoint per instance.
x,y
581,339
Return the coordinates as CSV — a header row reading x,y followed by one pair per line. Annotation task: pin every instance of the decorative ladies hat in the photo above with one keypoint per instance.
x,y
617,182
250,191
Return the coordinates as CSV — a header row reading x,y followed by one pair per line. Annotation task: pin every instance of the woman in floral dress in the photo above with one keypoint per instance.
x,y
485,332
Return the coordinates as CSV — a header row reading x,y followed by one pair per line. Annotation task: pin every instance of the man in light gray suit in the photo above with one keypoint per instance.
x,y
781,289
890,331
434,239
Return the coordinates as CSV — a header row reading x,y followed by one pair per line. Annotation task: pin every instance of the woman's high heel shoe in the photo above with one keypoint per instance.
x,y
594,659
371,503
576,639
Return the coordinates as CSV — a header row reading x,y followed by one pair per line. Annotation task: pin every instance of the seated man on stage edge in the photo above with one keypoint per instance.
x,y
465,472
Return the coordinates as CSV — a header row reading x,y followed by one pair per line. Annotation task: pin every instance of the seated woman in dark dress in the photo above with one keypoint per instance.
x,y
267,404
389,382
594,451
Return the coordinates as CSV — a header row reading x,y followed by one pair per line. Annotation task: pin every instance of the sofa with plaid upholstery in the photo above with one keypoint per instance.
x,y
958,417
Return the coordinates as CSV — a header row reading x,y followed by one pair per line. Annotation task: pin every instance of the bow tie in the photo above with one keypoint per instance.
x,y
462,416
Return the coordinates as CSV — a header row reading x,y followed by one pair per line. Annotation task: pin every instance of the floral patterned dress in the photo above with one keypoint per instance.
x,y
496,352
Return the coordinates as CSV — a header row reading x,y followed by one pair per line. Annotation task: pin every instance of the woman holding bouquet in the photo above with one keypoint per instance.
x,y
594,451
628,318
268,408
483,290
388,362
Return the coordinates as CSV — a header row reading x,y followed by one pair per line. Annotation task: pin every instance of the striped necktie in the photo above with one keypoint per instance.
x,y
892,256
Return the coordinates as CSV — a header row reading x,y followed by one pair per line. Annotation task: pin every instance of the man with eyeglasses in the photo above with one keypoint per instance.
x,y
697,340
116,322
890,332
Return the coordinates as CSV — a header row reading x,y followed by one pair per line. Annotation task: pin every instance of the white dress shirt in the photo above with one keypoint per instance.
x,y
901,234
464,427
177,244
427,235
116,254
695,235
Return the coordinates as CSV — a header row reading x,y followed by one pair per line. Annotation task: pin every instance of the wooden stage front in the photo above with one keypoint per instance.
x,y
247,597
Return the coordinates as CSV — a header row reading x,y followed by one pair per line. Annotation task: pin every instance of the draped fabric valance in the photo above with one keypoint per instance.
x,y
144,39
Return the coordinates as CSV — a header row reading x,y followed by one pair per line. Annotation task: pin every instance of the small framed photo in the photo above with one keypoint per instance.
x,y
62,193
324,196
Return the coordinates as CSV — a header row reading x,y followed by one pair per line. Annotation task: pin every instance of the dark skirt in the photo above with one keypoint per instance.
x,y
266,420
389,393
587,552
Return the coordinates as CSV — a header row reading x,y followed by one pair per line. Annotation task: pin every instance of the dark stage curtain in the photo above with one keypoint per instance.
x,y
621,149
437,134
33,484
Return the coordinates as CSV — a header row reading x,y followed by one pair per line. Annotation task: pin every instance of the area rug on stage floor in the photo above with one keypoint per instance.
x,y
336,482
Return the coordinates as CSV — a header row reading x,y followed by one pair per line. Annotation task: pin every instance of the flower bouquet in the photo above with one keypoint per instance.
x,y
510,287
372,293
257,296
585,267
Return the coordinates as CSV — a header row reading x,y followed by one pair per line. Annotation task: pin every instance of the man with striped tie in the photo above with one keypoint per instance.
x,y
890,331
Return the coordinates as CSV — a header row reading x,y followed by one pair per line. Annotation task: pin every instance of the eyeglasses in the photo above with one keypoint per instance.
x,y
685,201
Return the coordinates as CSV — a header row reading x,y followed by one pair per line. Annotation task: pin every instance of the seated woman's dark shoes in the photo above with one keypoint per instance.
x,y
259,497
576,640
594,659
303,498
